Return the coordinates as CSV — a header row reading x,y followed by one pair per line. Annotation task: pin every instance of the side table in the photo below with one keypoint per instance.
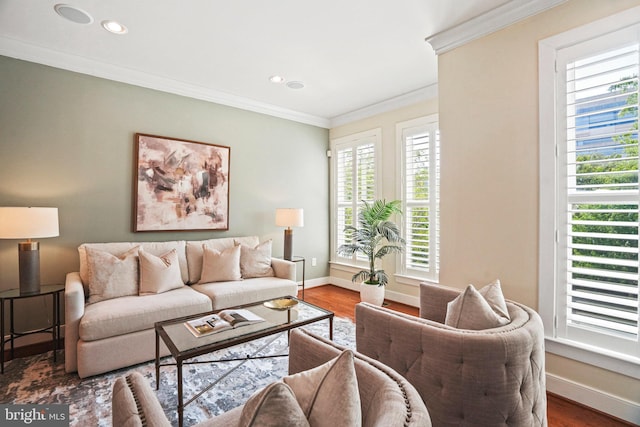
x,y
53,329
297,258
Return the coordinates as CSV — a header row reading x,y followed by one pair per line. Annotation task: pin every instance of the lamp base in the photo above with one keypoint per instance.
x,y
288,244
29,264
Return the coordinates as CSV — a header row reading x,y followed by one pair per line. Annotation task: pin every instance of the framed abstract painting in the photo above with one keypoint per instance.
x,y
180,185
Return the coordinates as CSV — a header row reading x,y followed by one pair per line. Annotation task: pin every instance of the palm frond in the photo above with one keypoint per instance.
x,y
374,230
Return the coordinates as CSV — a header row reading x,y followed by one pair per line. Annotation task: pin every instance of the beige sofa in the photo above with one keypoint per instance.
x,y
118,332
491,377
386,399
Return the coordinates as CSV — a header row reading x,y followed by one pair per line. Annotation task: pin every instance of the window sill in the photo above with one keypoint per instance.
x,y
412,280
615,362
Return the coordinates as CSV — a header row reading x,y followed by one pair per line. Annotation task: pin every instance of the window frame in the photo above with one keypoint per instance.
x,y
550,199
372,136
405,130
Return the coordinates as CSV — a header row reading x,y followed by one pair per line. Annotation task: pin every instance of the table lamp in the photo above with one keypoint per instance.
x,y
289,217
28,223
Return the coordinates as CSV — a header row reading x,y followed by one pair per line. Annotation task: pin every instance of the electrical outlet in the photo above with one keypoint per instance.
x,y
314,262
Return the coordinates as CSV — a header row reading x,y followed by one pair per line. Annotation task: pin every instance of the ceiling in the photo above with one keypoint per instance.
x,y
349,54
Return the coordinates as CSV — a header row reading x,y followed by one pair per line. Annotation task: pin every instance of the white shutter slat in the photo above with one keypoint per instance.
x,y
602,158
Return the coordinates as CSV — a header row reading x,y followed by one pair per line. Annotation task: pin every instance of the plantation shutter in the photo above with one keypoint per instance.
x,y
355,181
597,293
420,199
344,188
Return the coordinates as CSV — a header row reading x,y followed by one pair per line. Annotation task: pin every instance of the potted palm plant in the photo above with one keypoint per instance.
x,y
375,237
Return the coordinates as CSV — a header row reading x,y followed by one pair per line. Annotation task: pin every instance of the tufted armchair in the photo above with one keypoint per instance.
x,y
492,377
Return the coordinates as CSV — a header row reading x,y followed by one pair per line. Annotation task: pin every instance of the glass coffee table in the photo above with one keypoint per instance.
x,y
183,345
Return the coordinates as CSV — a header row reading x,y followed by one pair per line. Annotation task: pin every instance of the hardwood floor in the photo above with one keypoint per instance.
x,y
561,412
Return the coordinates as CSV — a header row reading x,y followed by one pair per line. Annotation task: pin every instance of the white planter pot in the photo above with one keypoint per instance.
x,y
373,294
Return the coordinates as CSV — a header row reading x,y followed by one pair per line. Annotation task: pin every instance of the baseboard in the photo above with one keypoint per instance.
x,y
596,399
388,295
313,283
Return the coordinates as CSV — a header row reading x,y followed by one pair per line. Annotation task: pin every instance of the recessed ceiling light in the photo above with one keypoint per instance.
x,y
295,85
73,14
114,27
276,79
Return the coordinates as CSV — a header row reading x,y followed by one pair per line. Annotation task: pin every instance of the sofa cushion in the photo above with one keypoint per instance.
x,y
136,313
159,273
276,406
194,250
329,394
255,261
112,276
231,294
119,248
220,266
472,310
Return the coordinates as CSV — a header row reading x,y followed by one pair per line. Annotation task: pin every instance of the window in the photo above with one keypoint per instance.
x,y
419,154
589,195
355,175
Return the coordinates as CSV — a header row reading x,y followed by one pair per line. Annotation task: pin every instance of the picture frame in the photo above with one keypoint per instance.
x,y
180,185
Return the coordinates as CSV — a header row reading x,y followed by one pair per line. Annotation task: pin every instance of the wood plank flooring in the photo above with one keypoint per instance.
x,y
561,412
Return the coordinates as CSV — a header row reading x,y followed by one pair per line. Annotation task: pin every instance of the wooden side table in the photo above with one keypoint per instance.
x,y
53,329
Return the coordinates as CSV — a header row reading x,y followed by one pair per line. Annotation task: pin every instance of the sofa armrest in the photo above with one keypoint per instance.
x,y
284,269
73,311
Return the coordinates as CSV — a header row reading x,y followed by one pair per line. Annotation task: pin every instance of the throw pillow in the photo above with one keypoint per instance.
x,y
493,294
256,262
328,394
159,274
111,276
471,310
274,406
220,266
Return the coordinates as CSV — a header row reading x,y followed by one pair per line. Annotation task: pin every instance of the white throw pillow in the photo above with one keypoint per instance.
x,y
220,266
328,394
111,276
159,274
256,262
476,310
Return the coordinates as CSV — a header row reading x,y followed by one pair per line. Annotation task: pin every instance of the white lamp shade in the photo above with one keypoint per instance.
x,y
290,217
27,223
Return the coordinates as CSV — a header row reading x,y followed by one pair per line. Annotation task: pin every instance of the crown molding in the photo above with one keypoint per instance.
x,y
33,53
395,103
487,23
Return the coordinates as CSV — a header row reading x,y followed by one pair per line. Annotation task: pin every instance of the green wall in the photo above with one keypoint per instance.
x,y
67,140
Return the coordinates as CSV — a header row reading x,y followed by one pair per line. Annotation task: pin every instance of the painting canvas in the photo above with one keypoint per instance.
x,y
180,185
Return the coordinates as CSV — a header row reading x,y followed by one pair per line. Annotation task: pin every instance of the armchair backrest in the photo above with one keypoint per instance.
x,y
491,377
386,398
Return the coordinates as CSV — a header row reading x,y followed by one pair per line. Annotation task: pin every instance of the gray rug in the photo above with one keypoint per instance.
x,y
37,380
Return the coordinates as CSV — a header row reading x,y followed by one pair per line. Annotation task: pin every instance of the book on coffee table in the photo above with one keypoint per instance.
x,y
221,321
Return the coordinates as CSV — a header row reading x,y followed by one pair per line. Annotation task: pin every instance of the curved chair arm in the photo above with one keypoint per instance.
x,y
494,377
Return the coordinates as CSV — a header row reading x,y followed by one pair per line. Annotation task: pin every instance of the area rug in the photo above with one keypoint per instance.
x,y
37,380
